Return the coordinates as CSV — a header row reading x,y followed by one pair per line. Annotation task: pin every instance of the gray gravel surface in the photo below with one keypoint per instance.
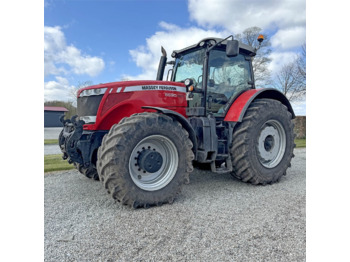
x,y
52,150
52,132
216,218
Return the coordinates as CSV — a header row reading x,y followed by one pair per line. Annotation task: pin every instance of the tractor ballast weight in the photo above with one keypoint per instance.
x,y
140,138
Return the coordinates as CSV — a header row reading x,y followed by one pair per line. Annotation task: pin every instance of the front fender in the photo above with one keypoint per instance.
x,y
241,104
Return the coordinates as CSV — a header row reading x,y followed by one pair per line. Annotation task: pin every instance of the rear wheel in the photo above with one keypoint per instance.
x,y
145,160
263,143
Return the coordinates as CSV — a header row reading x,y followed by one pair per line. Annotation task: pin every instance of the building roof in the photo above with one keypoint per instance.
x,y
55,108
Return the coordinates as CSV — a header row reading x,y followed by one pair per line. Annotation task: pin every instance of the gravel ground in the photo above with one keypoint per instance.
x,y
52,132
216,218
52,150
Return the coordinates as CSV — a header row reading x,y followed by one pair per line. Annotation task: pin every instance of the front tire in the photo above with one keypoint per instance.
x,y
263,143
89,172
145,160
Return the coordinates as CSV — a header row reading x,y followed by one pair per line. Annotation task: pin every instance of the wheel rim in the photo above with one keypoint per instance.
x,y
271,143
143,173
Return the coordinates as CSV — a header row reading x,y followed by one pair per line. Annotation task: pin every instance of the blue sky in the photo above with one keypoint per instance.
x,y
105,41
109,29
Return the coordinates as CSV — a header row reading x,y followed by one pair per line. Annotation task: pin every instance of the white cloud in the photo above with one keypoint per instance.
x,y
57,90
286,16
60,58
299,107
237,15
80,64
172,37
289,38
278,59
54,42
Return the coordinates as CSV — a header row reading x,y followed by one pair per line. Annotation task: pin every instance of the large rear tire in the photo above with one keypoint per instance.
x,y
263,143
145,160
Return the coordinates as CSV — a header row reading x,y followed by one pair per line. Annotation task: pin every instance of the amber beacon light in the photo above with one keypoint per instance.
x,y
260,38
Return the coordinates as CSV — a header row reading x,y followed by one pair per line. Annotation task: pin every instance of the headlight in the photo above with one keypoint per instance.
x,y
188,82
93,92
88,119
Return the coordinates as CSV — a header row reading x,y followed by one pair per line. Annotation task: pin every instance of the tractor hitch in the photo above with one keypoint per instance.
x,y
77,145
70,135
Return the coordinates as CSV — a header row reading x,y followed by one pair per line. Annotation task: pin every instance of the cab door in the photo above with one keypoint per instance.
x,y
227,78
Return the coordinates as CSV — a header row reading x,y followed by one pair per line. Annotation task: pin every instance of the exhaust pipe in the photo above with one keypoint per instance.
x,y
162,64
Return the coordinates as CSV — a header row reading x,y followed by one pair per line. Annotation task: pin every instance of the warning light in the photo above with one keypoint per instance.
x,y
260,38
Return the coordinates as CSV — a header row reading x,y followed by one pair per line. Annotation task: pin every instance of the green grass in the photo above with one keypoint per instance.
x,y
56,163
50,141
300,143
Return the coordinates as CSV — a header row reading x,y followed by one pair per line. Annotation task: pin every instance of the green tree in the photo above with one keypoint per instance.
x,y
72,110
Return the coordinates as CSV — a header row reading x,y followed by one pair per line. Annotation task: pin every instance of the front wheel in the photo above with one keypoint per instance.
x,y
145,160
89,172
263,143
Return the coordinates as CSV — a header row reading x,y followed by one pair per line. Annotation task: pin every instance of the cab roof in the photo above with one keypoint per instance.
x,y
243,47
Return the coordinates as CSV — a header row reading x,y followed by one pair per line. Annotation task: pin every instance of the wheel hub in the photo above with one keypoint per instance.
x,y
271,144
153,162
268,143
150,161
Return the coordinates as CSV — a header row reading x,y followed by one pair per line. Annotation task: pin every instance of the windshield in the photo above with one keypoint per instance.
x,y
190,65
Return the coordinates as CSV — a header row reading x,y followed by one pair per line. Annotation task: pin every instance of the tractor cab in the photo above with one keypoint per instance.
x,y
215,72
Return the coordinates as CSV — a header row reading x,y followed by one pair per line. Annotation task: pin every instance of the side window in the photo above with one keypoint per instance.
x,y
228,76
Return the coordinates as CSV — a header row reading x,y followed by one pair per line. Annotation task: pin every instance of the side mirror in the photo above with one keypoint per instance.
x,y
232,48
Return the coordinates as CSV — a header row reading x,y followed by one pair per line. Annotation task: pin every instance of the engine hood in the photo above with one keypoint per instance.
x,y
142,84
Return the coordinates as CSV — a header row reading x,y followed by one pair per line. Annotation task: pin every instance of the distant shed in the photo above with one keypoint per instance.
x,y
52,116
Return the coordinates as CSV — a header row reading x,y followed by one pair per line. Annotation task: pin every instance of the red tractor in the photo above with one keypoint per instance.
x,y
140,138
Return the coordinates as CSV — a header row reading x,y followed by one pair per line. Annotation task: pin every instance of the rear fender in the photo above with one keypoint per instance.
x,y
241,104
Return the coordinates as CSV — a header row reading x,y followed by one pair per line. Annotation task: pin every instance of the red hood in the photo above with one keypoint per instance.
x,y
131,83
